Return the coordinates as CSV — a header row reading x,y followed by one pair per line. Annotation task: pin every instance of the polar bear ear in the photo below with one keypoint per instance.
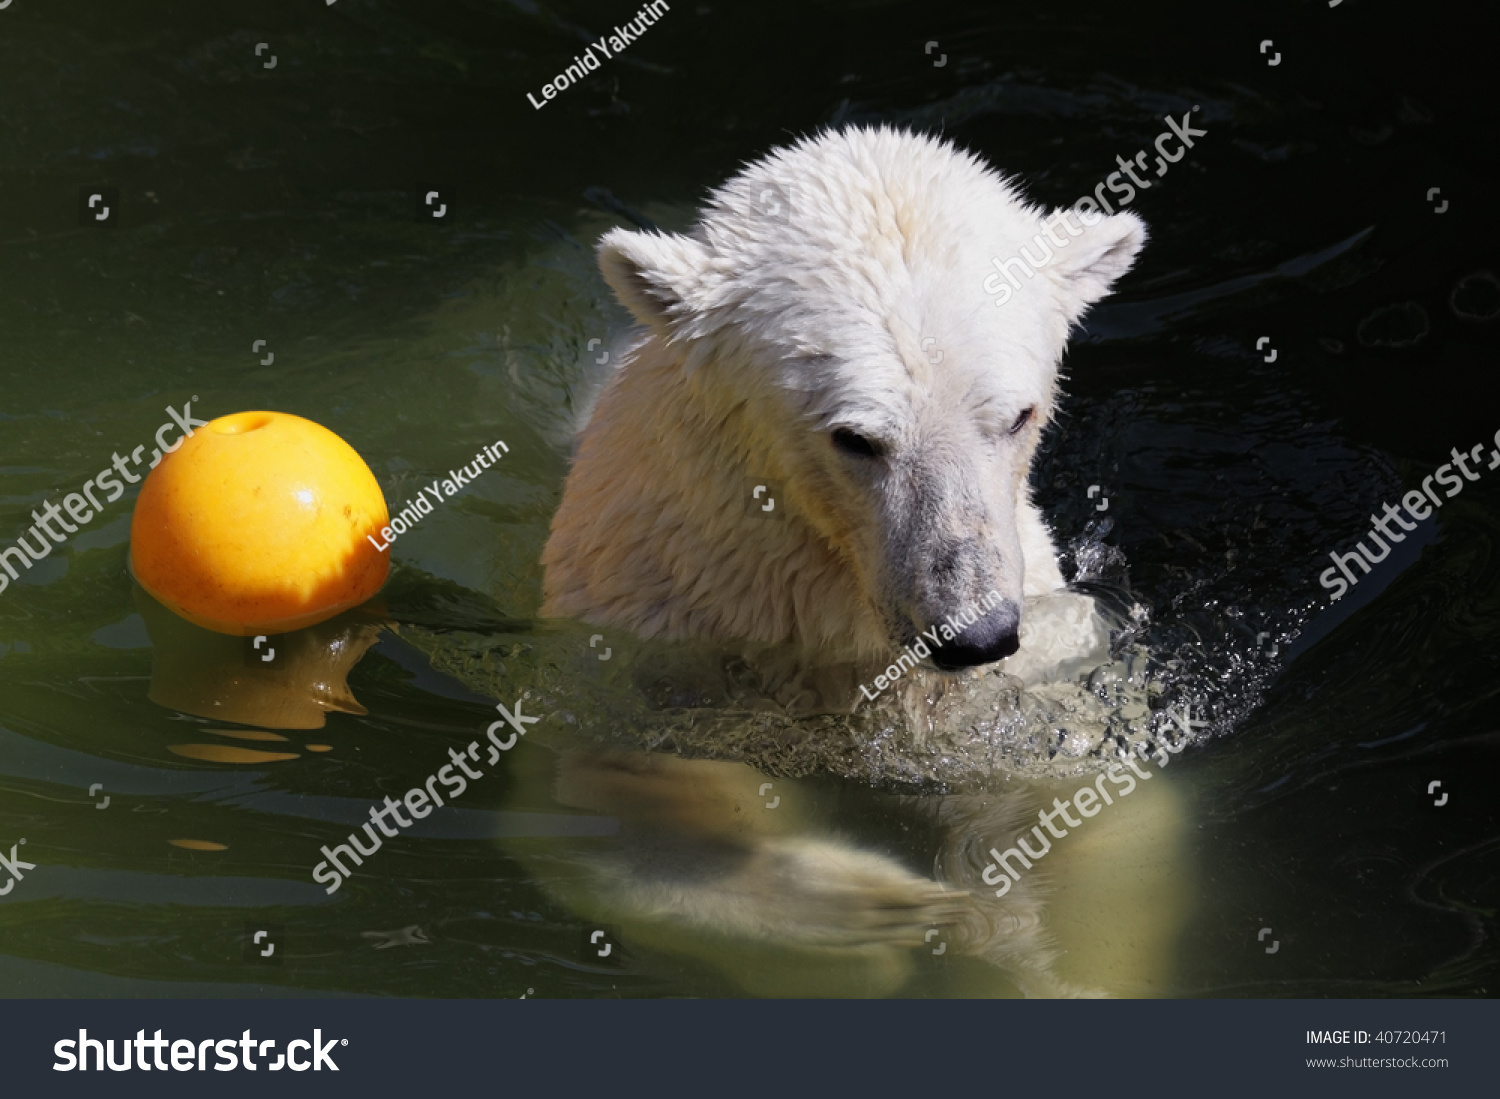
x,y
1103,252
660,277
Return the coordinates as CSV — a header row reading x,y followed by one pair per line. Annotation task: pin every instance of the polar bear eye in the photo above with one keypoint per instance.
x,y
1022,420
855,444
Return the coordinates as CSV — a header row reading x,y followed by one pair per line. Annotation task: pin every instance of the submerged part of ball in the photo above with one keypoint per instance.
x,y
259,523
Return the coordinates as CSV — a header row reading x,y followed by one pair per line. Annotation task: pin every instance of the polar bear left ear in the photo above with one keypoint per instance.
x,y
662,278
1103,252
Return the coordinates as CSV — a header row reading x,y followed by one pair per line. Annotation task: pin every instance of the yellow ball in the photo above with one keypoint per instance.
x,y
258,524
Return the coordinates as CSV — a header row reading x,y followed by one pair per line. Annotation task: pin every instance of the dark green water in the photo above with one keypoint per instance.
x,y
284,205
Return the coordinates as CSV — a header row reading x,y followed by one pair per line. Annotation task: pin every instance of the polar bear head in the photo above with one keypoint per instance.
x,y
867,320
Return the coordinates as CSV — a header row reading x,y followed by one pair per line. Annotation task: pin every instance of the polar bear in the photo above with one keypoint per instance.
x,y
819,445
829,326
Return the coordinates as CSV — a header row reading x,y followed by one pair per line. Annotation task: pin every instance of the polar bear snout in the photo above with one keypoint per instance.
x,y
991,636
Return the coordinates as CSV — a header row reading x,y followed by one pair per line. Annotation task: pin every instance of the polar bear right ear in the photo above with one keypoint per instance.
x,y
1105,249
662,278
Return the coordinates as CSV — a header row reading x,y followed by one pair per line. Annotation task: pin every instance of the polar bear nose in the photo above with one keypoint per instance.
x,y
990,638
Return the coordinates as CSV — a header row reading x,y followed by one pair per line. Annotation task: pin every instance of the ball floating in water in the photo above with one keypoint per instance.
x,y
258,524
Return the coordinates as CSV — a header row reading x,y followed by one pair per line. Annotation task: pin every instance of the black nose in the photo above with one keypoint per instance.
x,y
990,638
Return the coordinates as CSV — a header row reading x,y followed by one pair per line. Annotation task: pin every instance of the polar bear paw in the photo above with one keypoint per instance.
x,y
818,893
